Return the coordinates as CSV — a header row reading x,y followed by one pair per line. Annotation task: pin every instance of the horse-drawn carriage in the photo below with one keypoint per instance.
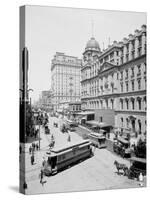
x,y
122,147
138,165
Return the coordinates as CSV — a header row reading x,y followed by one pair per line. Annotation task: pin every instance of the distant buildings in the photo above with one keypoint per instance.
x,y
114,81
65,80
45,100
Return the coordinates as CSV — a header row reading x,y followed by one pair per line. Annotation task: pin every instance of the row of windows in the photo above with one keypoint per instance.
x,y
132,103
132,82
132,70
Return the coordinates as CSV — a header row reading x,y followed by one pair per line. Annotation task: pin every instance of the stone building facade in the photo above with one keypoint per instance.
x,y
115,79
65,80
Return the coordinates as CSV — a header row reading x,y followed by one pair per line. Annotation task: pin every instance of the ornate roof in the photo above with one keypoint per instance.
x,y
92,44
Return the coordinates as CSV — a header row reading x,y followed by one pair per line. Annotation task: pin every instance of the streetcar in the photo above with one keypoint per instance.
x,y
61,158
122,146
97,139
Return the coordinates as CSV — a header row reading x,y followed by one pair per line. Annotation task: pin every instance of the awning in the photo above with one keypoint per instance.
x,y
94,123
86,113
122,140
137,159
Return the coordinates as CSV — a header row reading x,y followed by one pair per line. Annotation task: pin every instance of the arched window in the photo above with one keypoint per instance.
x,y
127,103
121,121
127,122
139,125
139,103
132,102
112,104
132,85
127,86
139,84
121,103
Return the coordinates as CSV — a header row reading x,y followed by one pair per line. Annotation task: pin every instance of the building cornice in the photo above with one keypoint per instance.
x,y
131,112
114,95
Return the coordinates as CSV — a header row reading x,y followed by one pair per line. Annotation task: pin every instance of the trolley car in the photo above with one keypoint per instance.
x,y
97,139
61,158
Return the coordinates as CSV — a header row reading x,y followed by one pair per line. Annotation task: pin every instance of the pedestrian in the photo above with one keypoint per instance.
x,y
32,159
34,146
52,137
43,162
69,138
41,177
141,179
30,150
37,147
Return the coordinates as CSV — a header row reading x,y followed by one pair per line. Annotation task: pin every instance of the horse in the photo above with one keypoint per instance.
x,y
122,167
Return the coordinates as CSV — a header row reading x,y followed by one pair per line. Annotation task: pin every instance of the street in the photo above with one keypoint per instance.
x,y
95,173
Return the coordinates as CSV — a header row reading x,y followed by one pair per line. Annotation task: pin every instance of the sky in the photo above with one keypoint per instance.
x,y
52,29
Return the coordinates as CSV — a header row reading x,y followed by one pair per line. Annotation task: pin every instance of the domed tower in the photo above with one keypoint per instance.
x,y
90,56
92,49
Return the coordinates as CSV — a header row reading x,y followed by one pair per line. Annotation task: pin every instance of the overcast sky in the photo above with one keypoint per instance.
x,y
50,30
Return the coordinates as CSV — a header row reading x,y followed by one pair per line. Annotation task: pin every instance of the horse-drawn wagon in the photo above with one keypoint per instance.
x,y
138,165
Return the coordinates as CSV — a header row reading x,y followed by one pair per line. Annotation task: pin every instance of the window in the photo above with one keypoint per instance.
x,y
139,69
139,84
121,73
117,76
127,57
121,103
127,122
121,87
132,85
132,72
132,104
122,121
127,87
127,73
106,103
139,102
127,104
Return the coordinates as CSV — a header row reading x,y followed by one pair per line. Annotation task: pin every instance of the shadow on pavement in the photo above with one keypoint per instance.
x,y
14,188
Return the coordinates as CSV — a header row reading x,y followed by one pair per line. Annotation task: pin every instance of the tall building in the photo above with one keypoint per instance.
x,y
45,100
114,81
66,78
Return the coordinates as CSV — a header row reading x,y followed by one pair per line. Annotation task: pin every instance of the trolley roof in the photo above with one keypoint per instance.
x,y
69,146
100,124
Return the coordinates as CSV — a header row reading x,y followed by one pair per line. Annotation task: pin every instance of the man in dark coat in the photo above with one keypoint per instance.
x,y
32,159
